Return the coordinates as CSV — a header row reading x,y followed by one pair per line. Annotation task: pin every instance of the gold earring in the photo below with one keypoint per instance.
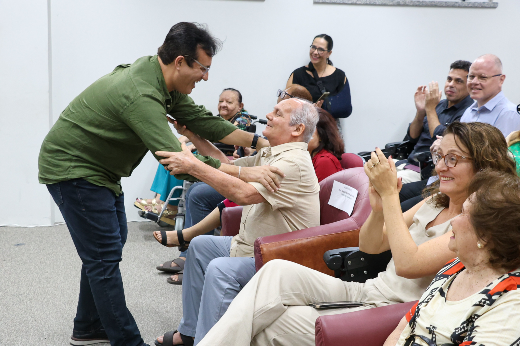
x,y
479,245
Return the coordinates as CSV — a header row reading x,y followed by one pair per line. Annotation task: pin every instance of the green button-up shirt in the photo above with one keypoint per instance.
x,y
105,132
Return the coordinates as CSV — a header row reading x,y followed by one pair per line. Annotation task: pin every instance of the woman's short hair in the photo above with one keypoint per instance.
x,y
307,115
330,139
486,146
183,39
495,216
239,95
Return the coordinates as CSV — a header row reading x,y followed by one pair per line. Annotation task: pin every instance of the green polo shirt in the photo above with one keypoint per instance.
x,y
105,132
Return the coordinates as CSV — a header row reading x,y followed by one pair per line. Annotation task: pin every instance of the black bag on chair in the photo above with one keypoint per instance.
x,y
350,264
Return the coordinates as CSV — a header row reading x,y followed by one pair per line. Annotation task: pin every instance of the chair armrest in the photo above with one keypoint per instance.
x,y
230,219
307,246
366,327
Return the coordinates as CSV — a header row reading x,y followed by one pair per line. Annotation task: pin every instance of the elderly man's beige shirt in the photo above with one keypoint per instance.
x,y
294,206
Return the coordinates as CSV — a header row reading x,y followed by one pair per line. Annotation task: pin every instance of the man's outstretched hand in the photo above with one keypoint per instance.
x,y
178,162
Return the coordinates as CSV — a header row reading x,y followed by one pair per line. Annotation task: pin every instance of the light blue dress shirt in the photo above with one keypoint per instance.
x,y
498,111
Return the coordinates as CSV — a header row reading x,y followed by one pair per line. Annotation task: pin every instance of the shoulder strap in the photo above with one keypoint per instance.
x,y
316,78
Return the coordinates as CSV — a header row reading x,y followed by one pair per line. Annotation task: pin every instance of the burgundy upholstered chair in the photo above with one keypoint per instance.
x,y
232,216
360,328
337,229
350,160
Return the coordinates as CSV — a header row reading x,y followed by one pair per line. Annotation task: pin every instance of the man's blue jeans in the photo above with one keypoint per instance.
x,y
96,221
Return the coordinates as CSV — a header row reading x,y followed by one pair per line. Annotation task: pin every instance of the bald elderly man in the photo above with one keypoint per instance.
x,y
485,80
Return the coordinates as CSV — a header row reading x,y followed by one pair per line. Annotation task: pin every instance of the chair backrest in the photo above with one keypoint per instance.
x,y
353,177
369,327
350,160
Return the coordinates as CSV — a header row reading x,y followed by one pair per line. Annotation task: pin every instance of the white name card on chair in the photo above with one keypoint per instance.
x,y
343,197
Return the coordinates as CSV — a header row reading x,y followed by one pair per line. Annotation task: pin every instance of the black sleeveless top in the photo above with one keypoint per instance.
x,y
332,83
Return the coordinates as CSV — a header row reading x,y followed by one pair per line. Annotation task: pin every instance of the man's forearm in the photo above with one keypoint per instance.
x,y
223,180
416,126
433,120
243,139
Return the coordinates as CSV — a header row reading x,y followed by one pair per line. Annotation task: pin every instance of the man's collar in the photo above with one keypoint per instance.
x,y
285,147
491,103
160,77
461,102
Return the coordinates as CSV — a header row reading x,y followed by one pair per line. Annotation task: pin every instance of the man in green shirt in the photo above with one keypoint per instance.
x,y
101,136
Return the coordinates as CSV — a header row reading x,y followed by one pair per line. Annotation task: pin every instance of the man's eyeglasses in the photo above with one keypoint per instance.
x,y
450,160
204,69
318,49
482,78
283,94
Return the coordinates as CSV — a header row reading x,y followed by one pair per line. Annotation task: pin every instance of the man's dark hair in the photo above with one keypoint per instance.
x,y
183,39
460,65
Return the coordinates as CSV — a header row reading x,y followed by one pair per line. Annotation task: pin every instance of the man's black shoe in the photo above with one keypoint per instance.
x,y
88,338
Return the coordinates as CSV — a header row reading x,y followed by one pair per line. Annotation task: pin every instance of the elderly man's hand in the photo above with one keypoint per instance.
x,y
265,175
433,96
178,163
382,174
435,145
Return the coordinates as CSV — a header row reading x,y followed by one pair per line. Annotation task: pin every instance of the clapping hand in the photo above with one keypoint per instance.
x,y
433,96
383,175
420,98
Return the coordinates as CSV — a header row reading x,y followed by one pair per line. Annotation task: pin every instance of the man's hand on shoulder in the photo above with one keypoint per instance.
x,y
268,176
178,162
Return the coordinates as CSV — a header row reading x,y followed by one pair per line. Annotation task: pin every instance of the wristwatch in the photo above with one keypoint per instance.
x,y
255,140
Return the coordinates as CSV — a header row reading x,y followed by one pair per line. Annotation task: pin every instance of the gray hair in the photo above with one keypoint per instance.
x,y
307,115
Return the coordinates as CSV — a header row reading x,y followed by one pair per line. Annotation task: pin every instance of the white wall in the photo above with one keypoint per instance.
x,y
24,111
385,51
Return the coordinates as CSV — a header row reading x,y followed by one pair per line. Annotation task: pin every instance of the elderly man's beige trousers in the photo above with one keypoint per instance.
x,y
272,309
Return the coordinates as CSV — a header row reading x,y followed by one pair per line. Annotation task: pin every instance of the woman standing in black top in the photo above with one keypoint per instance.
x,y
320,76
